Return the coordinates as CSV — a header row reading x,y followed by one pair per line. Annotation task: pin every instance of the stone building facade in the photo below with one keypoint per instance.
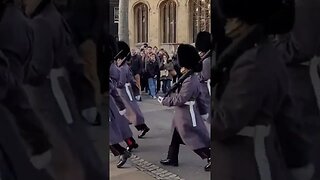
x,y
167,23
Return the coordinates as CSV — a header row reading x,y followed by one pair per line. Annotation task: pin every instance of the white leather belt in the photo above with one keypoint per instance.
x,y
58,93
259,133
209,86
191,109
127,86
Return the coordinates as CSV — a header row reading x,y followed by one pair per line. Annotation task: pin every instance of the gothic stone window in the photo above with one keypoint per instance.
x,y
141,23
200,16
168,13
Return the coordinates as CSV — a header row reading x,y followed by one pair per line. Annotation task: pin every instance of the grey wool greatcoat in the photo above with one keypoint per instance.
x,y
299,47
18,120
204,77
118,124
246,104
192,130
133,114
58,92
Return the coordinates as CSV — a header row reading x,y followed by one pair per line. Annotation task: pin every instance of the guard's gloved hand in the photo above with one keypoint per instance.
x,y
160,99
122,112
205,116
41,161
90,114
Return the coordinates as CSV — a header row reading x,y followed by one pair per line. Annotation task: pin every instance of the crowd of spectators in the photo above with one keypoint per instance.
x,y
154,70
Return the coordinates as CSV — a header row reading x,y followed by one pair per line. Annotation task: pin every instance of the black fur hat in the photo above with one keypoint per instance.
x,y
112,47
250,11
189,57
204,41
277,15
123,51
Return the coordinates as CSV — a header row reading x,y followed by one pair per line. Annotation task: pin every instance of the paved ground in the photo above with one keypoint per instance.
x,y
155,146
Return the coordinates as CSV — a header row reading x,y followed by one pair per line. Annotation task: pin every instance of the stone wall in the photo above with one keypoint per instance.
x,y
183,23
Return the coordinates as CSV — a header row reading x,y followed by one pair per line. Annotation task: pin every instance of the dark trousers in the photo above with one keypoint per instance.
x,y
130,141
117,149
28,123
144,83
158,82
174,147
141,127
166,85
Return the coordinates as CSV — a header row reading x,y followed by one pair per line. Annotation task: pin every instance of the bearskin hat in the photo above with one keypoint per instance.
x,y
204,41
189,57
250,11
123,51
278,15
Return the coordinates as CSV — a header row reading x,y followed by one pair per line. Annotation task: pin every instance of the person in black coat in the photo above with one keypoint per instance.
x,y
153,72
136,69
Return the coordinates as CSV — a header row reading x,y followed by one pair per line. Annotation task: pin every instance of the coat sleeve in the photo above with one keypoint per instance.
x,y
241,98
183,96
38,69
303,42
123,77
68,55
206,70
4,75
202,104
116,97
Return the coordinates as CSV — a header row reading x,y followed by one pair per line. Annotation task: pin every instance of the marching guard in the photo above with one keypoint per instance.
x,y
251,90
133,112
27,152
119,129
204,45
299,127
61,94
188,123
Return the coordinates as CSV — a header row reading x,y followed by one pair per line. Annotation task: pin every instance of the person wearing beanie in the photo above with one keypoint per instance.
x,y
188,123
251,89
133,113
204,46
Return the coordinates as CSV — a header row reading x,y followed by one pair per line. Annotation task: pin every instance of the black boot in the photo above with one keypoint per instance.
x,y
123,158
208,166
172,158
131,144
144,132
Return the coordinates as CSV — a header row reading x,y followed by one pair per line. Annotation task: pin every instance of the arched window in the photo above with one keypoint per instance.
x,y
200,16
141,23
168,15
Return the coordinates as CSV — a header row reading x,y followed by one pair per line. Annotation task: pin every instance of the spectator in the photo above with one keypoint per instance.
x,y
166,72
136,69
155,50
152,70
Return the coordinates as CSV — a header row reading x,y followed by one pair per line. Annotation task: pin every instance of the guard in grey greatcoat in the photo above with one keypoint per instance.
x,y
204,46
119,129
299,47
133,114
19,119
251,90
57,74
189,127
